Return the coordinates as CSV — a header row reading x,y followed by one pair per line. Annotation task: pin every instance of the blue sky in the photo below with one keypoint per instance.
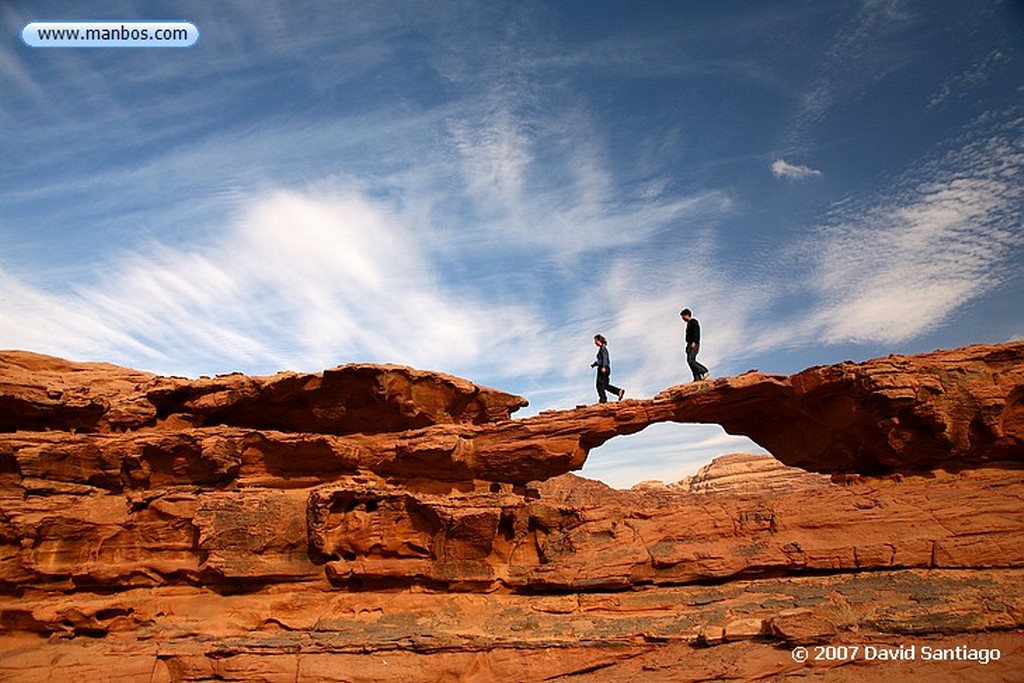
x,y
480,187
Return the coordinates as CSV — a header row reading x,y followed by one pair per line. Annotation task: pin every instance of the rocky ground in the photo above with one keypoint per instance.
x,y
378,523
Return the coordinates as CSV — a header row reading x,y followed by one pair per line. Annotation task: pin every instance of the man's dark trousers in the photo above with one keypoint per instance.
x,y
691,359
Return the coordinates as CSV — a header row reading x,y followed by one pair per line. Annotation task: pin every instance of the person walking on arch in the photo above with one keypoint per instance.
x,y
693,345
604,371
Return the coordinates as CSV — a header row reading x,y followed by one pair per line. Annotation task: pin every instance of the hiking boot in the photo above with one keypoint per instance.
x,y
622,392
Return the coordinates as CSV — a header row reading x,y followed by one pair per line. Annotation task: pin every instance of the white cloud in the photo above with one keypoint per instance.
x,y
299,281
892,270
783,169
33,319
495,153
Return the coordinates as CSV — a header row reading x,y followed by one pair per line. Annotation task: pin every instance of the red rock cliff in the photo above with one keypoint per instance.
x,y
381,523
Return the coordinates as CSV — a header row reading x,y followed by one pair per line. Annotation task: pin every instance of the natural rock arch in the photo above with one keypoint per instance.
x,y
948,409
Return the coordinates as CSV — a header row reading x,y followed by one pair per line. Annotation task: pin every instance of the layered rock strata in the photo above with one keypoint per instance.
x,y
745,473
382,523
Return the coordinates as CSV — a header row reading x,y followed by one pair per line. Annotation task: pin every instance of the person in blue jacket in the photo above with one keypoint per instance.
x,y
604,371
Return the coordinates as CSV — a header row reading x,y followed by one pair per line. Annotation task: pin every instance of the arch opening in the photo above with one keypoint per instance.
x,y
665,452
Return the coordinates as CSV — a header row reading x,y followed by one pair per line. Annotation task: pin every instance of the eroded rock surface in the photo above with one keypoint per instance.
x,y
745,473
382,523
42,393
943,410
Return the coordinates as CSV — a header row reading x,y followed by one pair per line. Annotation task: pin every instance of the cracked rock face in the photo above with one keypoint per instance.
x,y
378,523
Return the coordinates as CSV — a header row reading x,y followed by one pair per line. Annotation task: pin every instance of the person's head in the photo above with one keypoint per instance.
x,y
599,340
685,314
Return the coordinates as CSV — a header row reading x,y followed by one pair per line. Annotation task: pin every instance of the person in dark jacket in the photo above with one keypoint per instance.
x,y
604,371
693,345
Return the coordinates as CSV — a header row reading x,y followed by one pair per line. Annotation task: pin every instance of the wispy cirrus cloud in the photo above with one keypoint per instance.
x,y
300,281
962,84
893,267
858,56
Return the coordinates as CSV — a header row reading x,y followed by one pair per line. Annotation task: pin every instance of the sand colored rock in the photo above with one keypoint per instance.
x,y
744,473
382,523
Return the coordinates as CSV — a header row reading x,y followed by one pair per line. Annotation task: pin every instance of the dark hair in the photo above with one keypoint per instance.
x,y
685,311
600,338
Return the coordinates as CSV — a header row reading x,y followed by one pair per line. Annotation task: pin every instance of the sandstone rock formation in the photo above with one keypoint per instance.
x,y
744,473
41,393
377,523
